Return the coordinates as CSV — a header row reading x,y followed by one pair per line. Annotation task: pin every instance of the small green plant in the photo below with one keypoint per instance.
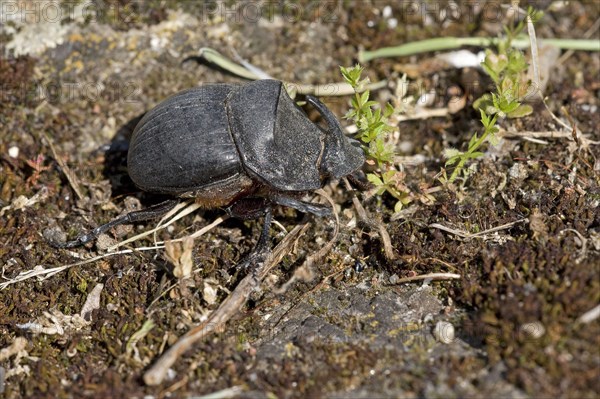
x,y
373,131
459,158
507,69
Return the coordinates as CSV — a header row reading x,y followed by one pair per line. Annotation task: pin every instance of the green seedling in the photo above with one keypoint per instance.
x,y
373,130
459,159
507,68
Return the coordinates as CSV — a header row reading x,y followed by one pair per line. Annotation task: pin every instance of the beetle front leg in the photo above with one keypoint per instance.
x,y
263,240
262,247
306,207
137,216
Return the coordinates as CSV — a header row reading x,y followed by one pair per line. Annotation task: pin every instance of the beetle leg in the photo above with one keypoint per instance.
x,y
137,216
306,207
262,248
263,240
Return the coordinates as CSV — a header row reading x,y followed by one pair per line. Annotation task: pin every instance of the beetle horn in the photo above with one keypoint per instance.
x,y
342,154
329,117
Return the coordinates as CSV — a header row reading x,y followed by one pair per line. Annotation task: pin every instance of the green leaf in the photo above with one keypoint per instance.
x,y
345,72
451,153
485,120
388,175
494,119
483,103
510,107
516,62
373,178
534,14
493,139
350,114
488,69
452,161
380,151
352,75
473,140
389,110
496,100
364,97
474,155
521,111
398,207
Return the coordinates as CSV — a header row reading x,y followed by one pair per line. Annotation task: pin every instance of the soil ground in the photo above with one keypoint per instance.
x,y
82,80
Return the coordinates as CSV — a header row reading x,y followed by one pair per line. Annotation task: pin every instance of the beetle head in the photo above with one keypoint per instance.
x,y
342,155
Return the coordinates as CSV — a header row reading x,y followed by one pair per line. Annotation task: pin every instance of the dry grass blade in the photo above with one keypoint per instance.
x,y
169,215
429,276
481,234
186,211
534,55
249,71
71,177
590,315
230,306
425,114
43,274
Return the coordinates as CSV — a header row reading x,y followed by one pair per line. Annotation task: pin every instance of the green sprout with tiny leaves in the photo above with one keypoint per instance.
x,y
373,130
508,70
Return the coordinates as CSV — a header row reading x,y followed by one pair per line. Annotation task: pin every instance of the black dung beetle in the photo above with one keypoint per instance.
x,y
240,147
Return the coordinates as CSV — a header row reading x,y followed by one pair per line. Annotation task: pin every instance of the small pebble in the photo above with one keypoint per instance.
x,y
533,330
444,332
518,171
387,12
171,374
104,241
55,235
13,152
